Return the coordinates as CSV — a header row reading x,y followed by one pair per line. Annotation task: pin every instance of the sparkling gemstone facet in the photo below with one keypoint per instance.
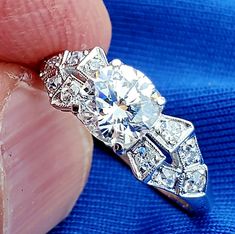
x,y
145,158
74,58
93,62
69,93
165,177
195,182
170,132
189,152
53,83
124,104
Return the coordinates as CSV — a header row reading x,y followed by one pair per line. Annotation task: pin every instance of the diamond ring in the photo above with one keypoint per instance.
x,y
121,107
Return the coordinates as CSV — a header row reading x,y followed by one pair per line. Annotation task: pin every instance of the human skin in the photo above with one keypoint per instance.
x,y
45,154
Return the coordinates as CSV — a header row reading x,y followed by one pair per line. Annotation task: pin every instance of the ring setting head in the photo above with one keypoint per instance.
x,y
124,105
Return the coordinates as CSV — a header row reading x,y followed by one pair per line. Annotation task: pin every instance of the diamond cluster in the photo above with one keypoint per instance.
x,y
121,107
187,175
92,63
58,68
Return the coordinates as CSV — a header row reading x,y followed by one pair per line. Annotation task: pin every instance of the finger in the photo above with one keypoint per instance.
x,y
45,157
34,29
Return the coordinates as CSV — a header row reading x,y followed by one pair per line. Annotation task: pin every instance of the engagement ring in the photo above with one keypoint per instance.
x,y
121,107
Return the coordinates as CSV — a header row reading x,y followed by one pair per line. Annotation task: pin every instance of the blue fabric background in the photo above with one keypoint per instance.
x,y
187,48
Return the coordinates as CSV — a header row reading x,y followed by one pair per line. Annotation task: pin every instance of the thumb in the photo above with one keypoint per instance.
x,y
45,156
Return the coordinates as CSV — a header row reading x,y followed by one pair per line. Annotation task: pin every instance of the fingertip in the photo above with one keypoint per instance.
x,y
32,30
46,157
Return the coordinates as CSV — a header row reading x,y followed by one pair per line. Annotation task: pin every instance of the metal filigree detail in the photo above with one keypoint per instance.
x,y
121,107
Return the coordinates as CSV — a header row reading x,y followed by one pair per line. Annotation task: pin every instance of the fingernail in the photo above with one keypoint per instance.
x,y
45,159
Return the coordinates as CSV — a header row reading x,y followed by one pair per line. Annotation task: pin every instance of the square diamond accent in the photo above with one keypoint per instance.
x,y
52,83
74,58
94,61
189,152
67,95
145,157
59,68
171,131
194,181
165,177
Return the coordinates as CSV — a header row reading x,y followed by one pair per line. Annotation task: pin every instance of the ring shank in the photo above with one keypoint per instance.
x,y
193,206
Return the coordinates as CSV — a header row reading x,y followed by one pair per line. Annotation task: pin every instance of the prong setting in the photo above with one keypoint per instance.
x,y
116,62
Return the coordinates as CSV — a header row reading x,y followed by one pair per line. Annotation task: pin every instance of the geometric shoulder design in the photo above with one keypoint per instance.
x,y
120,106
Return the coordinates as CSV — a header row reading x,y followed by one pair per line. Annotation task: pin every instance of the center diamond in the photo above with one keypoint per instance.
x,y
124,104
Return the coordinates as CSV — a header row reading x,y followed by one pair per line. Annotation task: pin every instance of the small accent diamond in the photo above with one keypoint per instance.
x,y
95,64
165,177
74,58
189,152
195,180
170,132
69,93
53,83
145,158
94,61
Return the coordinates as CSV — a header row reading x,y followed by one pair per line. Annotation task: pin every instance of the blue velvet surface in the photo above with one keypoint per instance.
x,y
187,48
